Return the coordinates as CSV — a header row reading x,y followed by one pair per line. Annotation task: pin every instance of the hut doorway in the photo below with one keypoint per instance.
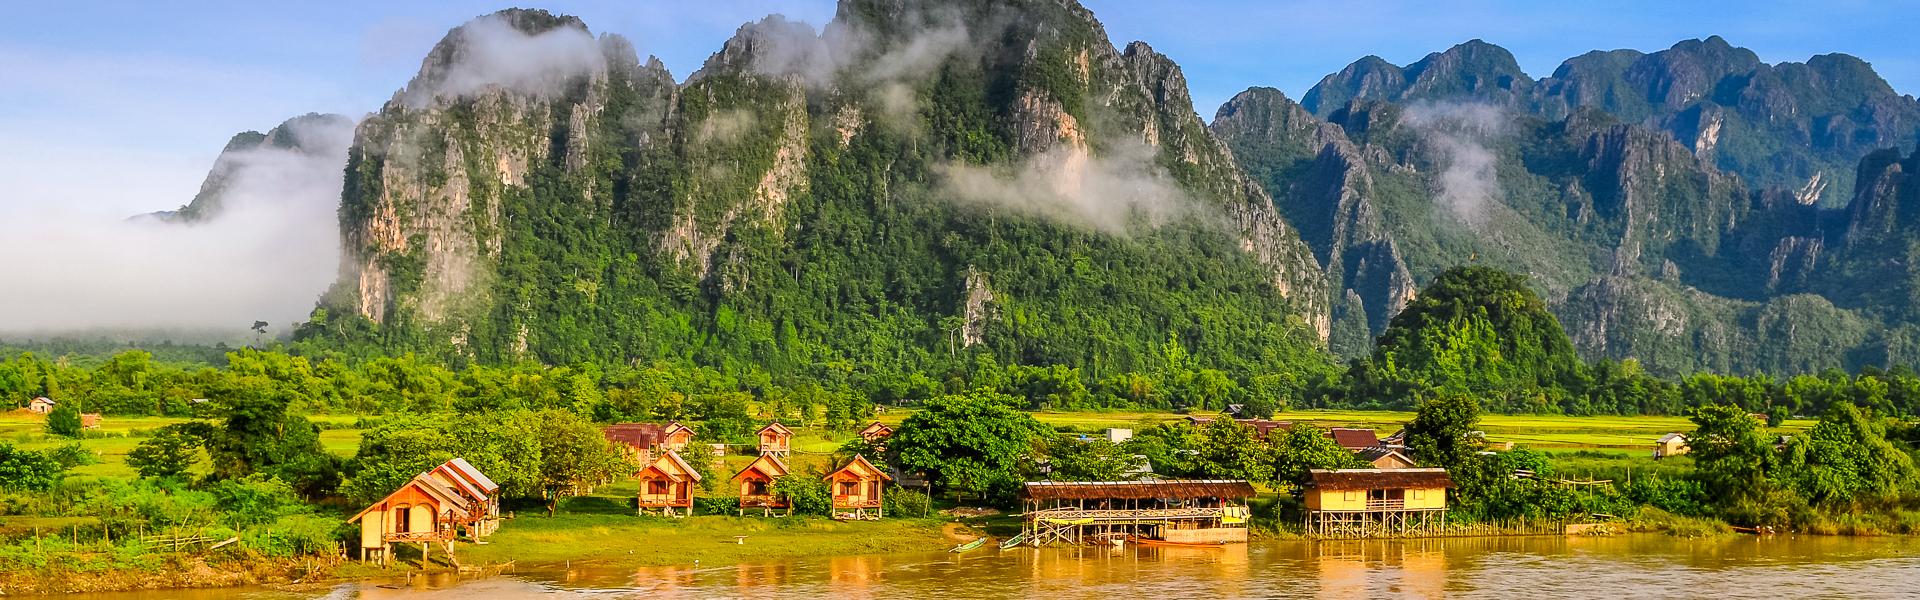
x,y
403,519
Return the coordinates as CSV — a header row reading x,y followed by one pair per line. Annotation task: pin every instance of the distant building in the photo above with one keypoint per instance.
x,y
1261,427
1354,440
775,439
1382,457
1672,444
41,405
876,432
1119,435
647,440
90,421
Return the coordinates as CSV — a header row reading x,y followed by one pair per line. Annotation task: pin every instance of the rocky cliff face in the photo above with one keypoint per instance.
x,y
1677,207
994,173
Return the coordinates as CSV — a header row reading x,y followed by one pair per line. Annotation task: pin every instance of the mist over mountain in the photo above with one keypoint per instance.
x,y
916,182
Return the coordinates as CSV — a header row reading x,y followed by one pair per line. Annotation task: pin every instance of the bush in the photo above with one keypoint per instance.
x,y
64,420
254,499
807,495
25,470
171,452
715,506
72,455
906,503
295,535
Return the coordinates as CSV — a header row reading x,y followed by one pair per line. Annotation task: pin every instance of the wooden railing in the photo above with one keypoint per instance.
x,y
663,500
854,501
762,500
419,536
1386,504
1126,514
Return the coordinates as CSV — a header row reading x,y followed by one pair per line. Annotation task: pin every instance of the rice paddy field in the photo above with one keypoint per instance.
x,y
1600,442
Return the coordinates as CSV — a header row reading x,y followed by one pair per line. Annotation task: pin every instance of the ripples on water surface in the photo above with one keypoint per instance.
x,y
1646,566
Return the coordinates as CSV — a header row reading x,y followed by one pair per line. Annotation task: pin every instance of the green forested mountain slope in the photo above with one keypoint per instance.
x,y
921,182
1649,244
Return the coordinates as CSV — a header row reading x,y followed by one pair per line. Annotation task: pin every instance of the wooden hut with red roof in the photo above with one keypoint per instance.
x,y
647,440
1354,439
775,439
667,485
756,485
857,488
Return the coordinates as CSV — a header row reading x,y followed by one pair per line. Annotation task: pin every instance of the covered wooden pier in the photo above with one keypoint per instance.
x,y
1189,511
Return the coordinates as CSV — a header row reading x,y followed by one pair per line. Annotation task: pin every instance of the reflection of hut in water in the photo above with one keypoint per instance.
x,y
1189,511
1376,502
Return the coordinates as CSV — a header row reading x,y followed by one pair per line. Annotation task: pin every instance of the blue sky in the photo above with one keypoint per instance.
x,y
121,106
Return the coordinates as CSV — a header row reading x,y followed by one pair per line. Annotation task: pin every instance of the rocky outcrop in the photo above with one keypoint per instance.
x,y
308,136
1473,71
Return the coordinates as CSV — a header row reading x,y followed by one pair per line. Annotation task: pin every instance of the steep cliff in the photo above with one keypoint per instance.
x,y
915,179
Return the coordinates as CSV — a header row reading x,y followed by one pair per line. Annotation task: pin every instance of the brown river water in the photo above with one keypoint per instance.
x,y
1637,566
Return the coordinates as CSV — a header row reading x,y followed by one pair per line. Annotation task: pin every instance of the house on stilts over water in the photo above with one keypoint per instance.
x,y
667,485
1376,502
1195,511
856,489
432,508
756,486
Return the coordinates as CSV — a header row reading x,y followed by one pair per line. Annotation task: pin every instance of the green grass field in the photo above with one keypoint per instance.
x,y
118,435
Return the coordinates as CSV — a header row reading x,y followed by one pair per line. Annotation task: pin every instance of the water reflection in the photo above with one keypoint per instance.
x,y
1541,567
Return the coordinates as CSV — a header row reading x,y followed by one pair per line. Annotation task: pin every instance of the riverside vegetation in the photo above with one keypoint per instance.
x,y
270,459
878,224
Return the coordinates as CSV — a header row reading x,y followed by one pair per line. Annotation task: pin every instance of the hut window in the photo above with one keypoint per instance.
x,y
756,488
1348,495
849,488
656,486
1417,494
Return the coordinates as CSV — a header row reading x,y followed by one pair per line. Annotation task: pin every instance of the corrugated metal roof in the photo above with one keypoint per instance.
x,y
1378,479
1137,490
473,474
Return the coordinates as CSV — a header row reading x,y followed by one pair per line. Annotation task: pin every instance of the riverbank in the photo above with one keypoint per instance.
x,y
590,540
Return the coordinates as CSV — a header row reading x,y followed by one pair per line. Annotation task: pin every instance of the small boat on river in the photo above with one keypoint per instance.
x,y
1014,541
969,546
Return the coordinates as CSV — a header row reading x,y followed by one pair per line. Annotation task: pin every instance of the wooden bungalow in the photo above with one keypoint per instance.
x,y
1382,457
1183,511
1672,444
756,485
91,420
856,488
44,405
667,485
1376,502
775,439
647,440
423,510
876,432
480,494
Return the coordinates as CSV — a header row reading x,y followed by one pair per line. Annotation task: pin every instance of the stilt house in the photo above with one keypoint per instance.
x,y
856,489
1376,502
667,485
775,439
423,510
756,485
